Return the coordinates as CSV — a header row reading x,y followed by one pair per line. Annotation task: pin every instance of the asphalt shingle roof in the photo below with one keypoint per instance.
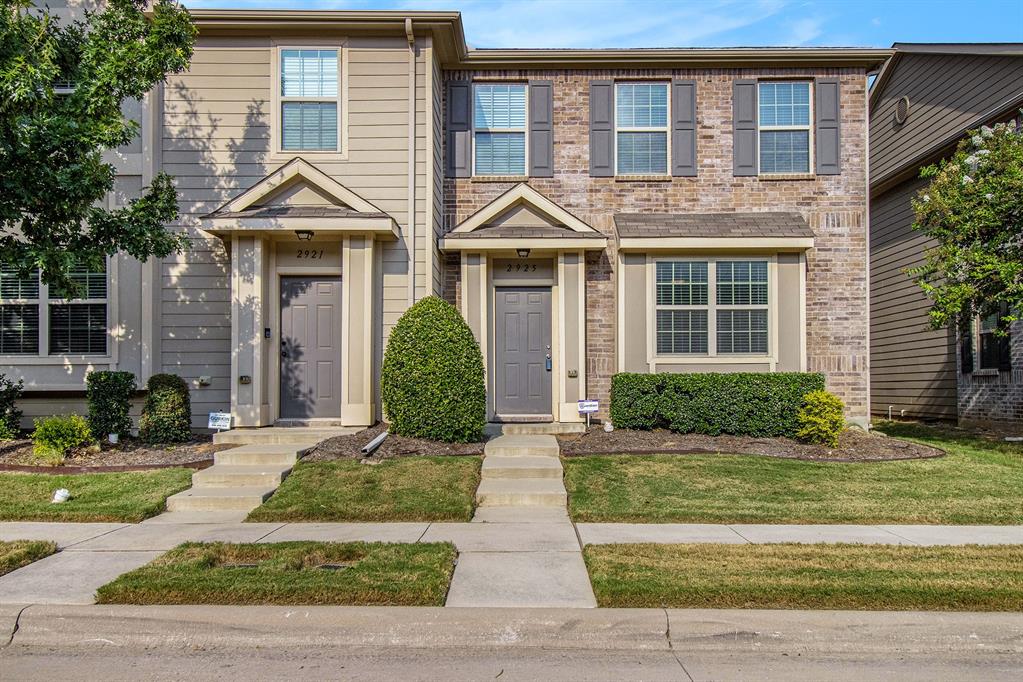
x,y
296,212
726,225
513,232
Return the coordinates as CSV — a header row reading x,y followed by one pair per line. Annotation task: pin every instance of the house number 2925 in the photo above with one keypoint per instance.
x,y
310,253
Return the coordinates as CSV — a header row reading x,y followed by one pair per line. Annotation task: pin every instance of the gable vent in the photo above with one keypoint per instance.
x,y
902,110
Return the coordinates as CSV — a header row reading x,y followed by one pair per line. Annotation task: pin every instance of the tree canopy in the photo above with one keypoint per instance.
x,y
973,209
62,85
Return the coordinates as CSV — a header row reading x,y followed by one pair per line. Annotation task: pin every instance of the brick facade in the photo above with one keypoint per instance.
x,y
834,206
987,396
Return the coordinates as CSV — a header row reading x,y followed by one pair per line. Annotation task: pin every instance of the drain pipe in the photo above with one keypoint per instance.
x,y
411,208
369,447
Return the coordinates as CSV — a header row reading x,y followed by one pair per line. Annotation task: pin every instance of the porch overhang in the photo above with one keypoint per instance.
x,y
715,244
462,242
713,232
377,226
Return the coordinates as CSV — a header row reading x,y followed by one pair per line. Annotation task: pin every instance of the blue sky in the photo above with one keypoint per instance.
x,y
702,23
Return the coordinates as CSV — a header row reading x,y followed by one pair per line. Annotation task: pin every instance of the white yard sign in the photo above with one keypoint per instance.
x,y
221,421
588,406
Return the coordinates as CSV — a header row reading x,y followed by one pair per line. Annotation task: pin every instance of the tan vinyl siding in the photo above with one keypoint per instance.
x,y
946,93
437,214
913,367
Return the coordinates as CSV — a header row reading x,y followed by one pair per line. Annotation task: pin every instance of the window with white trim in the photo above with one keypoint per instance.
x,y
784,120
35,320
711,307
499,129
309,100
641,128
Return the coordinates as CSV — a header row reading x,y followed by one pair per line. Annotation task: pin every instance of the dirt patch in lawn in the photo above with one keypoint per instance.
x,y
854,446
350,447
130,454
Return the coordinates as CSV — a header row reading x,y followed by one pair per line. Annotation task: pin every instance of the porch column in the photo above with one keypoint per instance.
x,y
358,318
571,334
249,349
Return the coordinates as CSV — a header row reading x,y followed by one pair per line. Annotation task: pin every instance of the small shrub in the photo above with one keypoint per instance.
x,y
167,413
55,437
821,419
740,404
109,396
10,415
432,378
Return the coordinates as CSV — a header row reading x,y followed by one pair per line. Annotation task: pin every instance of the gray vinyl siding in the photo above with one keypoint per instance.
x,y
912,367
947,93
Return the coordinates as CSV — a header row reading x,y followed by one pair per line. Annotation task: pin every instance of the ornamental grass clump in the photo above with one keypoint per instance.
x,y
821,419
167,413
432,377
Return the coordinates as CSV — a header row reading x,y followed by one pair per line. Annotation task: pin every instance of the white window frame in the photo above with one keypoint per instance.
x,y
809,127
712,356
524,131
666,129
279,153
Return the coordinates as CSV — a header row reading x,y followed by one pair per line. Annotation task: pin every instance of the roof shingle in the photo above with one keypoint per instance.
x,y
725,225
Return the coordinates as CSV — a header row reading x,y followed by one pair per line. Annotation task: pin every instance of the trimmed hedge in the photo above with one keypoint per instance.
x,y
740,404
167,413
109,396
432,379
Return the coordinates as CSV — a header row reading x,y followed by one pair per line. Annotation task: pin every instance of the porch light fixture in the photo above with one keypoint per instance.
x,y
523,253
304,235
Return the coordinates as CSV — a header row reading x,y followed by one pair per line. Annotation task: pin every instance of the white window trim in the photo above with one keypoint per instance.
x,y
278,153
712,356
474,130
666,129
43,356
810,167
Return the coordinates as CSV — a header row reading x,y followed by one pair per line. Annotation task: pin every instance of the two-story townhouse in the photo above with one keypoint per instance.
x,y
588,211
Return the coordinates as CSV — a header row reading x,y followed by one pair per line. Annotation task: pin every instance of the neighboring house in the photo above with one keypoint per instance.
x,y
925,99
588,211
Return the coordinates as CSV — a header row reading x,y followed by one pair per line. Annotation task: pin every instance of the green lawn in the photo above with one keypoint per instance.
x,y
979,482
18,553
406,489
793,576
357,573
126,497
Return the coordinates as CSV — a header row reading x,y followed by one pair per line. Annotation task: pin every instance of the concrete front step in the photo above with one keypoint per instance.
x,y
534,428
262,455
240,476
294,435
503,467
510,492
219,499
522,446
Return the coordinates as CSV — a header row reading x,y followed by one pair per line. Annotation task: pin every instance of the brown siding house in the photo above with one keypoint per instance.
x,y
923,102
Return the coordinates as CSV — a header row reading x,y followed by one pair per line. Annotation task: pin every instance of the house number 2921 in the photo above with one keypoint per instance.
x,y
310,253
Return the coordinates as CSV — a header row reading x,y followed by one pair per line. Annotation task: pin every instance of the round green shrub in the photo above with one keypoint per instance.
x,y
10,415
167,413
54,437
432,378
109,396
821,419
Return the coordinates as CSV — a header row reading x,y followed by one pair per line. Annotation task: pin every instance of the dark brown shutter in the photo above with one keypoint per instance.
x,y
602,133
744,127
683,131
828,119
541,129
459,130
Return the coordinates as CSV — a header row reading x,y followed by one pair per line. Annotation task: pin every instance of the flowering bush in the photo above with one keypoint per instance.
x,y
973,209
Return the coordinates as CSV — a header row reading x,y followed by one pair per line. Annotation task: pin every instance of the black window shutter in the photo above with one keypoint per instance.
x,y
744,127
602,122
827,107
459,130
683,131
541,129
966,347
1004,342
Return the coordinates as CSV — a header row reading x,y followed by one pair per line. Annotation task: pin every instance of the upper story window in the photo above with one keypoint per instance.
x,y
33,317
309,100
784,126
499,129
641,128
711,307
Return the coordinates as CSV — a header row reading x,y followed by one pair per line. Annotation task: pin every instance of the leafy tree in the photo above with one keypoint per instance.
x,y
973,208
61,89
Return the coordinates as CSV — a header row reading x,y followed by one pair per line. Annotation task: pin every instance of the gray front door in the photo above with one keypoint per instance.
x,y
523,353
310,347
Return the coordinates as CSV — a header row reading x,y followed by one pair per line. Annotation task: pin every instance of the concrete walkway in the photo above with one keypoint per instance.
x,y
522,561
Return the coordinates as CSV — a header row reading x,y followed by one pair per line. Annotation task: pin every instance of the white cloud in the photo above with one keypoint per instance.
x,y
803,31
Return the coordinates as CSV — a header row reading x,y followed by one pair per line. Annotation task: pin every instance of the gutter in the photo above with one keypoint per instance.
x,y
411,208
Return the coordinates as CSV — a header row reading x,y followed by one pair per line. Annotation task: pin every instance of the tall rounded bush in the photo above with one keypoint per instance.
x,y
109,396
167,413
10,415
432,378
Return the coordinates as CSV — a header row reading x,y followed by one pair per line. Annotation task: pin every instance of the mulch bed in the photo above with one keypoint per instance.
x,y
854,445
129,455
350,447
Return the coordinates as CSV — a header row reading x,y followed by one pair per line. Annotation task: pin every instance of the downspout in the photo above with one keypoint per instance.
x,y
411,237
866,222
